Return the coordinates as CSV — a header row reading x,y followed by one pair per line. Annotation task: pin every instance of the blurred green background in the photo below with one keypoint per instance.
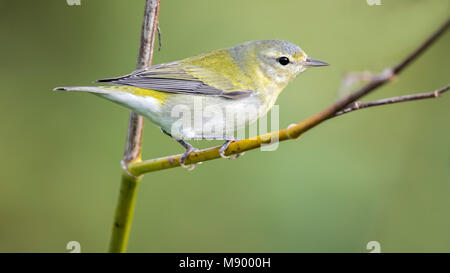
x,y
381,174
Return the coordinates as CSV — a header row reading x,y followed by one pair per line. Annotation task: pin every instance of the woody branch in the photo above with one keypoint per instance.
x,y
357,105
127,196
344,105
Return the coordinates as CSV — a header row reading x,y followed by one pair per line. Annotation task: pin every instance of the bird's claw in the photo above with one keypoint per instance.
x,y
225,147
184,156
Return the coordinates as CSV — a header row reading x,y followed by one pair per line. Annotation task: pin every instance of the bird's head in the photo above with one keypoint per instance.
x,y
277,61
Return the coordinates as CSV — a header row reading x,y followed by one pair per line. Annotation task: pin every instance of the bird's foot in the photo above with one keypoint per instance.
x,y
223,149
189,150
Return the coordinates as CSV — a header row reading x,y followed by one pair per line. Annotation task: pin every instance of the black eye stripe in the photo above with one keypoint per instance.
x,y
283,60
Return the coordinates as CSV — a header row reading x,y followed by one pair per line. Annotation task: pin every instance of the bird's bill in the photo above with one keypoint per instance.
x,y
312,62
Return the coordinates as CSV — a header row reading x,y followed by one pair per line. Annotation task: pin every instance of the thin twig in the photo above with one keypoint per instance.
x,y
127,196
133,146
361,105
159,38
295,130
148,33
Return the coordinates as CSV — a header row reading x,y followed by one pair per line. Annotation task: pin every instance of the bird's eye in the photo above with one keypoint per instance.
x,y
283,60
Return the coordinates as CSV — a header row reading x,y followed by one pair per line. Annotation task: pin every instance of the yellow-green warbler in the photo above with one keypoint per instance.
x,y
211,95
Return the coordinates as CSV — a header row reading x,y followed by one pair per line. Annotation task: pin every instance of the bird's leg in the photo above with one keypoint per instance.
x,y
189,148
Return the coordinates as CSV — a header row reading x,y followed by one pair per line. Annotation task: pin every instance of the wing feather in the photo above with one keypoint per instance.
x,y
178,78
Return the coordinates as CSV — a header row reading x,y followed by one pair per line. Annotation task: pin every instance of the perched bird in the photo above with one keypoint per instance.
x,y
208,96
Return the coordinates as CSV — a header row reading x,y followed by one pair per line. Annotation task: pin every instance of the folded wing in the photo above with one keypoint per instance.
x,y
179,78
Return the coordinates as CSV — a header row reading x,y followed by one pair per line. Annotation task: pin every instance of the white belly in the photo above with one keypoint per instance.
x,y
194,116
206,117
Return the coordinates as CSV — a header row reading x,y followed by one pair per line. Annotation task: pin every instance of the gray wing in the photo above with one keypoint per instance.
x,y
172,78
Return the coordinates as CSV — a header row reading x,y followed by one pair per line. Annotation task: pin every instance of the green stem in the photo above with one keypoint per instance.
x,y
124,214
133,148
